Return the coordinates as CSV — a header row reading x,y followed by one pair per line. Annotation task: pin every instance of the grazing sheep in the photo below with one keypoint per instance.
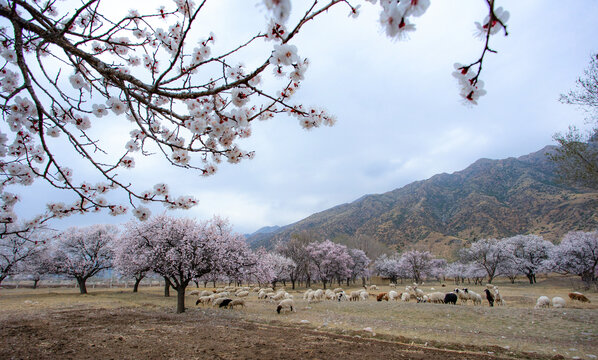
x,y
498,297
206,293
542,302
382,296
450,298
373,287
338,290
363,295
462,295
256,289
204,300
194,292
329,294
578,296
221,302
436,297
286,304
279,295
306,293
392,285
354,296
236,302
242,293
318,295
393,295
342,296
473,296
490,297
558,302
405,297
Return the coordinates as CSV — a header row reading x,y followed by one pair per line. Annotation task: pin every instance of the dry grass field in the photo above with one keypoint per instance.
x,y
516,330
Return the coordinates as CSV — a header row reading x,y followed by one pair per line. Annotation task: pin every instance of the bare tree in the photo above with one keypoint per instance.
x,y
577,154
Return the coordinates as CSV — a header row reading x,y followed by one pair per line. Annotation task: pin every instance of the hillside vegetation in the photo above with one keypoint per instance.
x,y
490,198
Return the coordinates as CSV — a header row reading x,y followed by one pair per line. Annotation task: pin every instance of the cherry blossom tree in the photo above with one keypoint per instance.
x,y
360,265
577,254
82,252
14,252
181,249
330,261
70,69
489,254
389,267
528,255
271,267
416,264
127,262
296,249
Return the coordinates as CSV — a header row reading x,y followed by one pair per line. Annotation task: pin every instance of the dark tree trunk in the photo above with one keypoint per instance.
x,y
214,283
205,284
166,287
136,285
284,283
35,283
196,283
180,300
81,283
324,283
293,284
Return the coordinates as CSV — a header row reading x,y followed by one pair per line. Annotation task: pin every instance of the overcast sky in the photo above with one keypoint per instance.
x,y
400,118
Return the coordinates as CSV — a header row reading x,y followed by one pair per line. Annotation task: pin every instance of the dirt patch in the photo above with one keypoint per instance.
x,y
147,334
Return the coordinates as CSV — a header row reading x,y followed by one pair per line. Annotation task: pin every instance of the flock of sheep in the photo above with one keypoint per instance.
x,y
230,297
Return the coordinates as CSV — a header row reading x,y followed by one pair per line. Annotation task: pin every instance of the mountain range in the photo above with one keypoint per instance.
x,y
490,198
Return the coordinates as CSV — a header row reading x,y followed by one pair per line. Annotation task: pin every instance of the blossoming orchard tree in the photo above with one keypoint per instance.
x,y
82,252
329,261
15,250
488,254
528,256
181,250
68,67
577,254
129,263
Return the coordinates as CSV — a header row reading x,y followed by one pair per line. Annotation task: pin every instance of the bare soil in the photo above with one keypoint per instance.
x,y
136,333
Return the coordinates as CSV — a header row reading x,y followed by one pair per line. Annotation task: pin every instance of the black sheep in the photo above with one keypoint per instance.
x,y
225,303
450,298
490,297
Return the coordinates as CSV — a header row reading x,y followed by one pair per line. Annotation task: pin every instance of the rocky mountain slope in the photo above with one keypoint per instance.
x,y
490,198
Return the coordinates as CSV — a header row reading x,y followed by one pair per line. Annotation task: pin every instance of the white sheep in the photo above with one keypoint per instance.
x,y
342,296
393,295
436,297
405,296
329,294
243,293
306,294
558,302
338,290
318,295
463,297
286,304
206,293
354,296
236,302
194,292
279,295
363,295
474,296
392,285
204,300
543,301
373,287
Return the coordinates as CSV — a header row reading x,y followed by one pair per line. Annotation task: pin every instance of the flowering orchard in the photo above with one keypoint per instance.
x,y
66,69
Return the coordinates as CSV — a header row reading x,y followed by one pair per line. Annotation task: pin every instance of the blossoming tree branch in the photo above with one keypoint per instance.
x,y
68,65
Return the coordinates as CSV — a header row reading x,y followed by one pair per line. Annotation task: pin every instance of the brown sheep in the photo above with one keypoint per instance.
x,y
578,296
382,296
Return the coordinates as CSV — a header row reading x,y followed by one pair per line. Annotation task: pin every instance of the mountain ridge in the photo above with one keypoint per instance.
x,y
489,198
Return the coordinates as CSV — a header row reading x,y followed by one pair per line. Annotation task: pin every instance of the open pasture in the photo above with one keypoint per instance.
x,y
515,330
